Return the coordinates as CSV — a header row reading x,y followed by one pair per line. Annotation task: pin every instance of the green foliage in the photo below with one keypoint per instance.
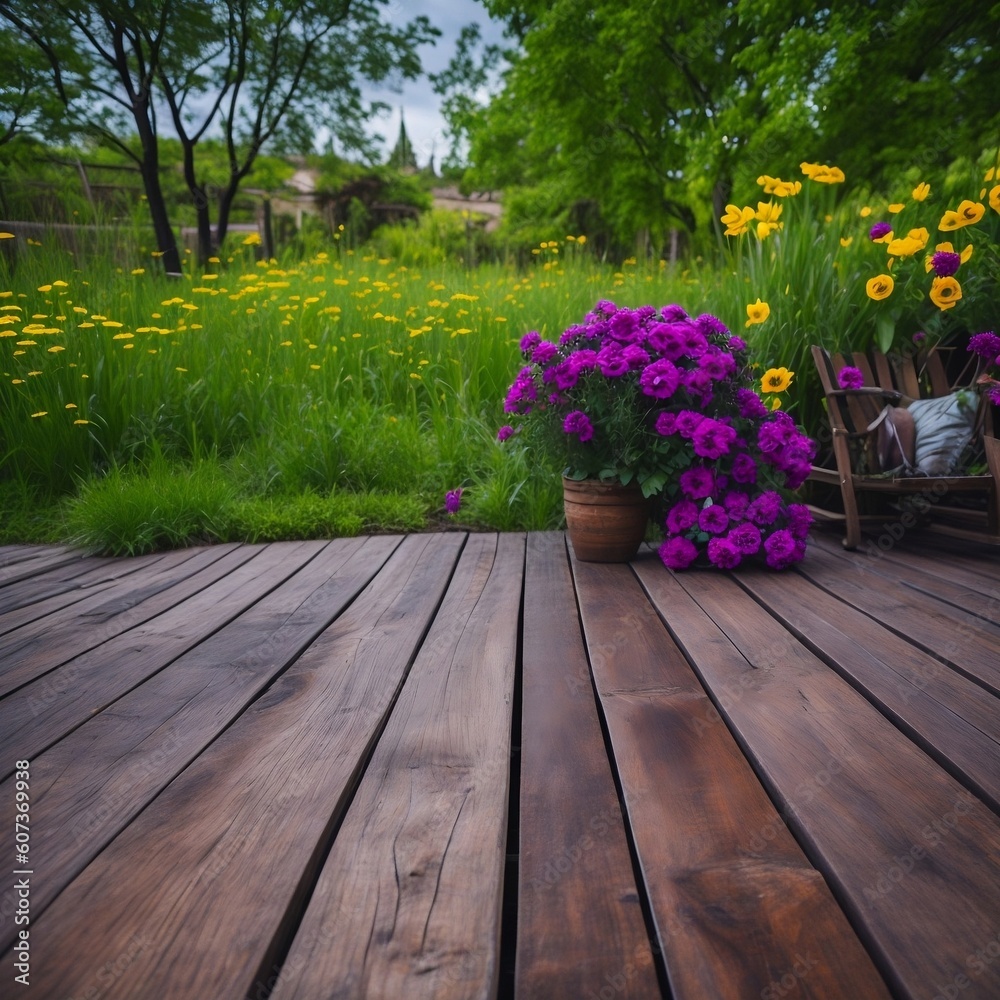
x,y
142,509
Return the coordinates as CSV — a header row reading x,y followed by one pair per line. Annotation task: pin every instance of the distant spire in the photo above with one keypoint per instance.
x,y
402,156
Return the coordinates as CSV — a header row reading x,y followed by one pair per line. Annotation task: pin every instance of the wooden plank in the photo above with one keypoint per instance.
x,y
937,578
946,714
734,916
51,592
39,561
907,848
43,711
40,646
92,783
580,926
218,861
418,862
965,641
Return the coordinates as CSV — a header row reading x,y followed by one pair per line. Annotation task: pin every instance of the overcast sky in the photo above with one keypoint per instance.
x,y
420,104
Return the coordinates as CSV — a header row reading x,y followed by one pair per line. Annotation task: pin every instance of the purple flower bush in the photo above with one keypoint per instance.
x,y
666,400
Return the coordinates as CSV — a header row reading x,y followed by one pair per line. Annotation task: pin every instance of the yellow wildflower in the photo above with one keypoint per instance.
x,y
896,207
967,214
880,287
735,219
921,191
995,198
757,312
776,380
945,292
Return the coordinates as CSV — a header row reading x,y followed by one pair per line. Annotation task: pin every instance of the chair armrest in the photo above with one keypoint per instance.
x,y
867,390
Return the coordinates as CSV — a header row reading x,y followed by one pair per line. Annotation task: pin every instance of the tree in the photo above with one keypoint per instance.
x,y
260,72
655,111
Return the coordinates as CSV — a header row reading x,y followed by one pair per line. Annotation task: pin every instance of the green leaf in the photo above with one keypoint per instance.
x,y
885,331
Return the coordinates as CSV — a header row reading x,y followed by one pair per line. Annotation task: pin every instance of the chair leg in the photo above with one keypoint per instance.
x,y
852,521
992,447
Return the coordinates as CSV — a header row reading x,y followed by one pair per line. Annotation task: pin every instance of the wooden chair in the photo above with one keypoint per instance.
x,y
896,379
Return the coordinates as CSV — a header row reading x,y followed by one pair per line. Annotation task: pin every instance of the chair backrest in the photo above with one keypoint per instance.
x,y
916,376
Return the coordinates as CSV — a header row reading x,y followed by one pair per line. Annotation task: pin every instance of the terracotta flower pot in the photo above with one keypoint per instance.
x,y
606,521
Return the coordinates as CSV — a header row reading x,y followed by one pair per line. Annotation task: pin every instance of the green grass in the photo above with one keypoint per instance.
x,y
344,392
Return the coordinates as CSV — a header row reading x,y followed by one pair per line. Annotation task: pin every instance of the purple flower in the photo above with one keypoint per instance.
x,y
611,361
714,519
682,516
606,308
713,439
782,549
453,500
625,326
504,432
716,364
744,468
944,264
666,423
723,553
578,332
919,337
544,352
993,394
850,378
577,422
635,356
746,538
673,313
529,341
737,343
667,339
736,504
751,405
764,509
521,393
582,360
986,345
678,553
688,421
660,379
697,483
879,230
709,324
799,520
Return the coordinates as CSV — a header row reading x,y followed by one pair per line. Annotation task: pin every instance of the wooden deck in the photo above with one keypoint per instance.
x,y
462,766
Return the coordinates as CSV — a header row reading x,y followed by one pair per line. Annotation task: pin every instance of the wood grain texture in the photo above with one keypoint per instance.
x,y
580,927
962,639
737,905
43,644
39,713
216,862
92,783
72,577
408,902
910,852
948,715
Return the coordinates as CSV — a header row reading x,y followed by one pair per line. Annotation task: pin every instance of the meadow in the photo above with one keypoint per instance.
x,y
338,391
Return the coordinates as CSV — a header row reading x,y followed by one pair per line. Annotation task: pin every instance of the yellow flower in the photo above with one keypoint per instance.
x,y
757,312
776,380
823,174
252,240
77,423
736,219
995,198
40,413
888,238
967,214
880,287
921,191
775,402
865,211
6,236
846,241
904,247
920,235
945,292
138,270
896,206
